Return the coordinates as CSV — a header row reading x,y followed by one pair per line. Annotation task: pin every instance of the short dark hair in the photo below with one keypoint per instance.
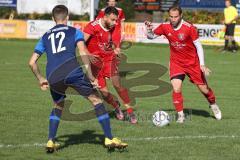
x,y
175,8
60,12
111,10
115,0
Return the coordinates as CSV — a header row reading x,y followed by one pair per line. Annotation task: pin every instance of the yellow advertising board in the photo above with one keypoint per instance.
x,y
130,32
129,29
13,29
134,32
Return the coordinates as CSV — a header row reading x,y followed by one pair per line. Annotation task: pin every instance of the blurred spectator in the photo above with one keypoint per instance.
x,y
230,17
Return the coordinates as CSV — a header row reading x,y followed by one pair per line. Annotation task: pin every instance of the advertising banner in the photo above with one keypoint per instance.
x,y
78,7
130,32
141,34
36,28
13,29
79,24
203,4
135,32
8,3
208,34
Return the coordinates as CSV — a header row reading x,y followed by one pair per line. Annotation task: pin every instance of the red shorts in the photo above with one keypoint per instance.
x,y
105,68
192,71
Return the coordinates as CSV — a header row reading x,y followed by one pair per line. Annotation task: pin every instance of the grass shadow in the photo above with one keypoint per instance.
x,y
196,112
87,136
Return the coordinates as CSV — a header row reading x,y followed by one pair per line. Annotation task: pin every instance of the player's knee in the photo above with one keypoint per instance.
x,y
203,88
116,84
59,105
94,99
177,84
97,101
177,90
118,87
105,93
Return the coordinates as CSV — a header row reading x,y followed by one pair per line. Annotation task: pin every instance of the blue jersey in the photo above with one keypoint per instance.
x,y
59,44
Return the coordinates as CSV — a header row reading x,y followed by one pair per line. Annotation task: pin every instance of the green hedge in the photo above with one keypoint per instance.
x,y
5,13
127,6
199,17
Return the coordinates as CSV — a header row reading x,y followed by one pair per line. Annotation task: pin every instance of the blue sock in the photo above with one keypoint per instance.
x,y
104,120
54,119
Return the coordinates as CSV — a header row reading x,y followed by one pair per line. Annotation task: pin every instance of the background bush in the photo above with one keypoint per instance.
x,y
197,16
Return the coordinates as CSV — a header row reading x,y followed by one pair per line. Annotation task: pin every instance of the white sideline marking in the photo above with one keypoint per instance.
x,y
181,137
22,145
131,139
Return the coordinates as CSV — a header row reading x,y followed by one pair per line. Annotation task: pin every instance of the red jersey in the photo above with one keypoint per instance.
x,y
100,41
182,49
121,16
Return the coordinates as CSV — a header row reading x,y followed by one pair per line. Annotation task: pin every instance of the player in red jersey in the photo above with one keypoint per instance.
x,y
104,58
118,32
186,58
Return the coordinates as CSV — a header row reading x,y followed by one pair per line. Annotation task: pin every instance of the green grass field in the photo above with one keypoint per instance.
x,y
25,110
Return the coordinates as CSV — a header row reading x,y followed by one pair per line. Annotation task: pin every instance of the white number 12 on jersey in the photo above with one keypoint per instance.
x,y
60,48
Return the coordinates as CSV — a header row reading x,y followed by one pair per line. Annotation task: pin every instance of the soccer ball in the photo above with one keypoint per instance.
x,y
161,118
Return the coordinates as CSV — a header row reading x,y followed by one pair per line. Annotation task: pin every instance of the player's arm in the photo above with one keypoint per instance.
x,y
80,39
195,38
123,29
200,54
85,59
91,57
86,36
122,18
36,71
149,28
117,42
150,33
38,51
84,55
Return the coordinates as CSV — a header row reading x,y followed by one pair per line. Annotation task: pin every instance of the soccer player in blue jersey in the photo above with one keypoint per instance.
x,y
63,71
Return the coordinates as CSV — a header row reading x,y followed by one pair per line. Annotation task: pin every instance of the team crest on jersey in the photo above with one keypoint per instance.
x,y
181,36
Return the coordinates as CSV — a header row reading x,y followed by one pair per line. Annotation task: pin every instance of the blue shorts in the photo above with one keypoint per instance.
x,y
80,83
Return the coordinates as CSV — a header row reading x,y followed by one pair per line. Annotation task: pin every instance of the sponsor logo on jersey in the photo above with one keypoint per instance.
x,y
181,36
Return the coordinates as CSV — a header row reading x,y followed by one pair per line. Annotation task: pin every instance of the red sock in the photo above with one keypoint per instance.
x,y
110,100
123,94
210,96
177,101
129,111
